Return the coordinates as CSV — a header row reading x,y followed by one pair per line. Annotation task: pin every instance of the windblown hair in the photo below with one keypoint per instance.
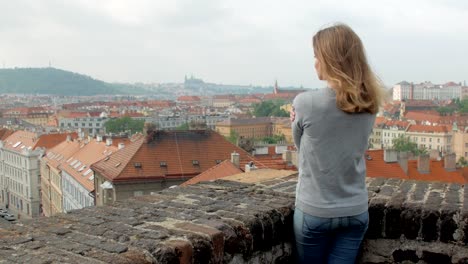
x,y
343,62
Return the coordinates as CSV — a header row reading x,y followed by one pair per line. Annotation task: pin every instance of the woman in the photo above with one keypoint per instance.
x,y
331,129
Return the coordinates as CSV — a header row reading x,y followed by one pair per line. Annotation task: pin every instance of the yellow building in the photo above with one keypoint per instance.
x,y
460,143
282,126
259,127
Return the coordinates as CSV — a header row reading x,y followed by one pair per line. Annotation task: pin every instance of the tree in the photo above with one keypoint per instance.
x,y
124,124
404,144
273,139
184,126
462,162
233,137
270,108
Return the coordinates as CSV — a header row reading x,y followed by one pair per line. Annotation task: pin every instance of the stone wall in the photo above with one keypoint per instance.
x,y
230,222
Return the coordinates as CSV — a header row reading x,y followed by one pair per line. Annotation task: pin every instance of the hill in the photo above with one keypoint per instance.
x,y
58,82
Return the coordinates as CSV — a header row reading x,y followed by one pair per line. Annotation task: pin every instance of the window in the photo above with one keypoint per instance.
x,y
90,124
195,163
137,193
430,139
162,164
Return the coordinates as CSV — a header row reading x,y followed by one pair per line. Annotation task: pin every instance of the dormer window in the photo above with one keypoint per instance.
x,y
195,163
162,164
137,165
218,161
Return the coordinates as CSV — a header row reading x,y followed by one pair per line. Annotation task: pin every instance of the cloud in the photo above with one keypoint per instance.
x,y
231,41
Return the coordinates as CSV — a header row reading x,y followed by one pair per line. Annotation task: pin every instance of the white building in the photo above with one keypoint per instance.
x,y
93,125
393,129
20,174
78,178
426,91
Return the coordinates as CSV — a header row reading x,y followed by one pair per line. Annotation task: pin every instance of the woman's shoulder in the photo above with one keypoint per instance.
x,y
308,97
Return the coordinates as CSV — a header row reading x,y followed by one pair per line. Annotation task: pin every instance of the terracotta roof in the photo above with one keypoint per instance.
x,y
4,133
61,153
423,116
51,140
379,120
397,123
429,129
377,167
188,98
20,140
78,166
225,168
170,154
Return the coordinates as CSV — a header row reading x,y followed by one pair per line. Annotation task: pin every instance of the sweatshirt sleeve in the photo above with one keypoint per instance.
x,y
297,124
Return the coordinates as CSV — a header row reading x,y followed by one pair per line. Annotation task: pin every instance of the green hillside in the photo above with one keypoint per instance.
x,y
58,82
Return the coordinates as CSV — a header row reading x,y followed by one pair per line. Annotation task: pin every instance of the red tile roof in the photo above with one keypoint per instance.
x,y
423,116
87,155
225,168
169,154
51,140
429,129
4,133
377,167
20,140
188,98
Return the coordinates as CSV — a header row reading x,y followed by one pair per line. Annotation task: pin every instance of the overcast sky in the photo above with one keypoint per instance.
x,y
232,41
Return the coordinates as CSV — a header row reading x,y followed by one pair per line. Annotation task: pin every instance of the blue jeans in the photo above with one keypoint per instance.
x,y
328,240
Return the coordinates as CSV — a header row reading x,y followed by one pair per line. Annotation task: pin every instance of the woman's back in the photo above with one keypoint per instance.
x,y
331,155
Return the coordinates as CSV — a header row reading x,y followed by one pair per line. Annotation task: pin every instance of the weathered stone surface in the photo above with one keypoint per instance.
x,y
230,222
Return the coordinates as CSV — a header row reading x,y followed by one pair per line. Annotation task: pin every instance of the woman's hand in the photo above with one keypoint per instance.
x,y
292,114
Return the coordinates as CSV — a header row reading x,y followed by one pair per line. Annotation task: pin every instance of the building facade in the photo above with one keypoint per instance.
x,y
20,174
91,125
431,137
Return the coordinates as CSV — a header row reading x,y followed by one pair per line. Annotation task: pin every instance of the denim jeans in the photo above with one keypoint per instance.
x,y
328,240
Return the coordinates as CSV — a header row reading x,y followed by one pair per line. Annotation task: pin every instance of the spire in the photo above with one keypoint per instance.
x,y
275,91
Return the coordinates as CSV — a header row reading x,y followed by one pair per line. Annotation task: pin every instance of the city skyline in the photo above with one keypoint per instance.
x,y
233,42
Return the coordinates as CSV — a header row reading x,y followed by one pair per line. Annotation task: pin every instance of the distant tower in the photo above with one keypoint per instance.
x,y
275,91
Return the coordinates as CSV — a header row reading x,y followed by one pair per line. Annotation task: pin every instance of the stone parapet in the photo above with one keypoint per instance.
x,y
231,222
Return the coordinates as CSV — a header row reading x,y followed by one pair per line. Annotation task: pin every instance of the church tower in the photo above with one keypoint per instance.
x,y
276,91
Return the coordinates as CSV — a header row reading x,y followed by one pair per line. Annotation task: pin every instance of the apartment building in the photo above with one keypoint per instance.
x,y
20,155
67,180
431,137
393,129
259,127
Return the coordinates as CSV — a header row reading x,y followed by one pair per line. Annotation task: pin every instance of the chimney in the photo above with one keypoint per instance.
x,y
450,162
108,141
121,145
235,159
403,161
390,155
424,164
250,167
287,156
69,138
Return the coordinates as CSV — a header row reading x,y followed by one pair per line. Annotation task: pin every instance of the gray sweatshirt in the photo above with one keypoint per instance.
x,y
331,145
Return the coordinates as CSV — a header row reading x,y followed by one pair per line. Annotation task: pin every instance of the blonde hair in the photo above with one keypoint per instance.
x,y
343,62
